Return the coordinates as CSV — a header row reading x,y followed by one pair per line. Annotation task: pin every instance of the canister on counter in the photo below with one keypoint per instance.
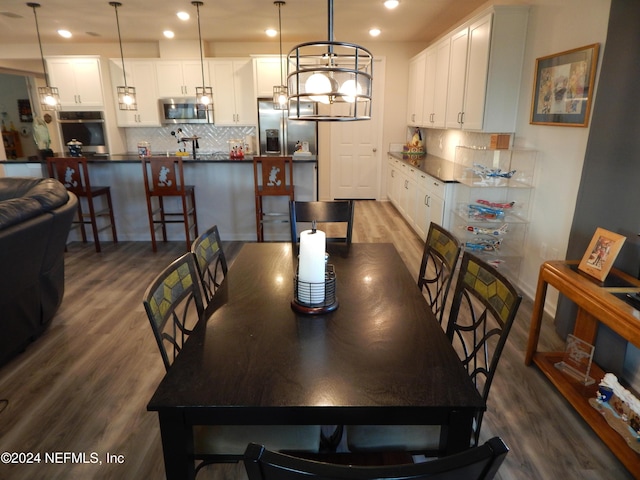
x,y
144,149
75,148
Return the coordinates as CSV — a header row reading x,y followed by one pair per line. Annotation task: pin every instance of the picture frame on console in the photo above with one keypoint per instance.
x,y
601,253
563,87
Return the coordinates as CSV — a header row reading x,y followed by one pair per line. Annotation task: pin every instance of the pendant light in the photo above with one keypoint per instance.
x,y
330,73
280,95
48,96
126,94
204,94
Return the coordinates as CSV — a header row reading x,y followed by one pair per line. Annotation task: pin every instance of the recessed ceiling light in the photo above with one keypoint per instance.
x,y
391,4
271,32
374,32
168,34
183,15
64,33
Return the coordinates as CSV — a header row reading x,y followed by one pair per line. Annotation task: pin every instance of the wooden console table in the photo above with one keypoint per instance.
x,y
597,303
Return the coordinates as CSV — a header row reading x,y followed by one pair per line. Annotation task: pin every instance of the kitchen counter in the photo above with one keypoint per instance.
x,y
436,167
224,193
133,158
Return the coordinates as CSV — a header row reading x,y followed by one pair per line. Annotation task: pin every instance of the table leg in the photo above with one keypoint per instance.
x,y
458,435
586,326
177,446
536,317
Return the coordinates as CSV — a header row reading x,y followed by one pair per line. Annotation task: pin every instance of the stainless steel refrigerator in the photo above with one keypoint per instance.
x,y
278,135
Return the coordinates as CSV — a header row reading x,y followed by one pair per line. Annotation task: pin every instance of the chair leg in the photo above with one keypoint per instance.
x,y
94,224
152,229
259,225
185,213
111,217
163,220
195,214
81,221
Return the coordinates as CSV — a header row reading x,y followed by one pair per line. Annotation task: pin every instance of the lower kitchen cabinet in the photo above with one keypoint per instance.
x,y
419,197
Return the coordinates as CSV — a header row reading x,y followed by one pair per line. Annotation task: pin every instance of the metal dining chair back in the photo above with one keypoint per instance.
x,y
210,261
439,259
478,463
337,211
174,305
483,309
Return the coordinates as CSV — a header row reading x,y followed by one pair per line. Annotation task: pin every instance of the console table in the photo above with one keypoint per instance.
x,y
597,303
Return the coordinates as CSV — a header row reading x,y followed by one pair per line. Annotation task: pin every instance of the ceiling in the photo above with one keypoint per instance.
x,y
230,20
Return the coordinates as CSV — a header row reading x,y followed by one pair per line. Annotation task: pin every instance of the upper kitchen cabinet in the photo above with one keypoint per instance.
x,y
141,74
234,102
415,89
179,78
485,68
78,80
436,80
268,72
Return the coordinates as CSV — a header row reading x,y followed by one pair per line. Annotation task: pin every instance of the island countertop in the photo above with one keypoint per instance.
x,y
224,188
134,158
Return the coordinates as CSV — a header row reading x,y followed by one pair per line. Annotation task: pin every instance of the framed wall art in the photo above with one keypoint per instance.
x,y
601,253
563,87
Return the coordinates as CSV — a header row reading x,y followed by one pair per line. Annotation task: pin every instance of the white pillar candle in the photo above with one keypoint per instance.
x,y
311,266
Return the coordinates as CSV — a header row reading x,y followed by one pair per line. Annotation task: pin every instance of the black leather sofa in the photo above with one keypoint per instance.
x,y
35,219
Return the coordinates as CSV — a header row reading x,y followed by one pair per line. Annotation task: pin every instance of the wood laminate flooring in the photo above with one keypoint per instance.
x,y
83,387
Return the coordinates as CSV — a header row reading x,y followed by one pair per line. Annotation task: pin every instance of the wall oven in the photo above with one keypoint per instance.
x,y
85,127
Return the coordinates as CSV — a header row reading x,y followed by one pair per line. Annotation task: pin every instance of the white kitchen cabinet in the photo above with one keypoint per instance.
x,y
179,78
233,92
491,211
79,81
485,69
436,79
419,197
141,74
267,74
415,90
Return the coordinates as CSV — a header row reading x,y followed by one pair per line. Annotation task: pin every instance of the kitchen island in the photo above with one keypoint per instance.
x,y
224,193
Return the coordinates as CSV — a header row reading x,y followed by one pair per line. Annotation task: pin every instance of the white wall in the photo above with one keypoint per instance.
x,y
554,26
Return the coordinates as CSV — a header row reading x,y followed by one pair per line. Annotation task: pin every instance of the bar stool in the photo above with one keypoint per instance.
x,y
164,177
272,176
73,172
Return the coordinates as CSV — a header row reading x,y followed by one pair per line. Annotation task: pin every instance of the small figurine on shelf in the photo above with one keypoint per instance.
x,y
240,153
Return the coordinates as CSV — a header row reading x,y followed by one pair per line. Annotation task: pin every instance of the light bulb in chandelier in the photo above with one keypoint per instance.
x,y
319,86
349,90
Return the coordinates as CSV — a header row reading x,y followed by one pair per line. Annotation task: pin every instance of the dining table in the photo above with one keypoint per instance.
x,y
379,358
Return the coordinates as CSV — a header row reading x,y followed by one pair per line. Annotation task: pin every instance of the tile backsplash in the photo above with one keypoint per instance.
x,y
212,139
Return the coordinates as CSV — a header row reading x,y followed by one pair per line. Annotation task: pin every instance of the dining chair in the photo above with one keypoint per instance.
x,y
483,309
174,304
477,463
272,177
439,259
337,211
210,261
164,179
73,172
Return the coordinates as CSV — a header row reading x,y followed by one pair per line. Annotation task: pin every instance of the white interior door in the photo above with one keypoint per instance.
x,y
356,153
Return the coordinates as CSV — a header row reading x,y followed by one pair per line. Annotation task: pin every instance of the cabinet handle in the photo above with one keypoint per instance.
x,y
426,200
432,117
461,118
393,174
406,184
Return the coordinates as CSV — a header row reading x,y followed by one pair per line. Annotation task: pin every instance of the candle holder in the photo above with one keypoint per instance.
x,y
305,294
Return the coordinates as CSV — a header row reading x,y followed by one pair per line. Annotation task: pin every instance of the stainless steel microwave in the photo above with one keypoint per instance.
x,y
184,110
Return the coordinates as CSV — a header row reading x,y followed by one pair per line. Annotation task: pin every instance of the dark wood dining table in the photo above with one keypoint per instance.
x,y
380,358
